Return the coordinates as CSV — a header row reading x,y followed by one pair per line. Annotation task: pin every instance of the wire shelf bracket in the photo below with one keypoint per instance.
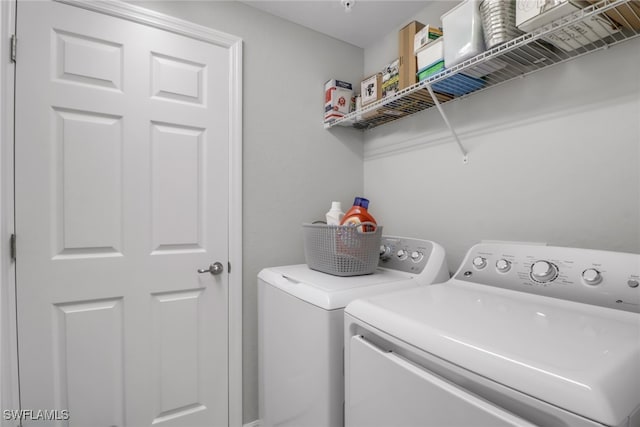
x,y
465,154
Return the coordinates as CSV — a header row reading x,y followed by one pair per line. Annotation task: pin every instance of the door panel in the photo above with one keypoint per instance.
x,y
121,195
87,60
177,184
177,79
76,364
176,343
88,187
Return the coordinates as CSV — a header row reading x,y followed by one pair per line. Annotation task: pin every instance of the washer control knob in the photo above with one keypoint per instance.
x,y
385,252
402,254
502,265
591,276
633,283
416,256
479,262
543,271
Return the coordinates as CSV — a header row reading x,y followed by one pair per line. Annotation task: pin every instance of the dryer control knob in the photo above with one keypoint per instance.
x,y
503,265
416,256
543,271
385,252
591,276
479,262
402,254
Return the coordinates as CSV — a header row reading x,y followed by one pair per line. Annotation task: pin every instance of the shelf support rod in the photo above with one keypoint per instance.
x,y
465,158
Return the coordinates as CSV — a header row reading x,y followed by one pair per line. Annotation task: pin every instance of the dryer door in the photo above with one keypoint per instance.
x,y
386,389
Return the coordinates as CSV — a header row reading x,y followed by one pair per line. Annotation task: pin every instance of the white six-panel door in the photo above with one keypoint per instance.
x,y
122,139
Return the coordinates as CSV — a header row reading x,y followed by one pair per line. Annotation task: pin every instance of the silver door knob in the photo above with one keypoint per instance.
x,y
215,268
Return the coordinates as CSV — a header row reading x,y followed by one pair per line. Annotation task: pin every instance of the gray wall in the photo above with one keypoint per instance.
x,y
553,157
292,167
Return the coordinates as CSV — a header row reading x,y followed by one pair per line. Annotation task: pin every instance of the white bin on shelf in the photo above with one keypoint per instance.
x,y
430,53
462,29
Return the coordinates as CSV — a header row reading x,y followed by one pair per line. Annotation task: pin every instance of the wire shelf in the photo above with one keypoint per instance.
x,y
614,21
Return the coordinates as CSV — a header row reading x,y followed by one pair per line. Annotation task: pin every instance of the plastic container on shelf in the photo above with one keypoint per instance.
x,y
456,85
462,29
498,21
430,70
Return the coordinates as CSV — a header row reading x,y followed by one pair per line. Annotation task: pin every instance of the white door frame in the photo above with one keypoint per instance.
x,y
9,396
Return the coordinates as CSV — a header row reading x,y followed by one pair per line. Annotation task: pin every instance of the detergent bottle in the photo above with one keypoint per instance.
x,y
359,214
335,215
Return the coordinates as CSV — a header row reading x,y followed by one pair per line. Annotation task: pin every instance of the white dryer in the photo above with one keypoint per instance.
x,y
522,335
300,329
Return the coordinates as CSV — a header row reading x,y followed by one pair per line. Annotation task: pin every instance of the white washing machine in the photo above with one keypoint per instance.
x,y
522,335
300,329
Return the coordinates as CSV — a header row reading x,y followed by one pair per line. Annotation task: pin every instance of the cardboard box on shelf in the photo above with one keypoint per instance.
x,y
425,36
390,79
627,15
408,66
371,89
338,97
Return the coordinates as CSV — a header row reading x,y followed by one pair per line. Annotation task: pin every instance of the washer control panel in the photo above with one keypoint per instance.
x,y
608,279
404,254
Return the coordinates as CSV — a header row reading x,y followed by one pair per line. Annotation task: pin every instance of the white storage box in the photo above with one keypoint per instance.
x,y
533,14
573,36
526,10
430,53
584,33
462,27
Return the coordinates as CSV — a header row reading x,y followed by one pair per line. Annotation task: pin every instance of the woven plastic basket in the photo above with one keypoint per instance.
x,y
341,250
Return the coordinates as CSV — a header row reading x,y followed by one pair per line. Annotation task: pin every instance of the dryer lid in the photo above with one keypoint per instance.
x,y
580,357
332,292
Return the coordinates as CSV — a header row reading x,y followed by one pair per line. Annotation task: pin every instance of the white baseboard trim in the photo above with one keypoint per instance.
x,y
255,423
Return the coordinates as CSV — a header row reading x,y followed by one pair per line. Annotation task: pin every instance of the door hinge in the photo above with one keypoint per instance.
x,y
12,246
14,47
228,267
